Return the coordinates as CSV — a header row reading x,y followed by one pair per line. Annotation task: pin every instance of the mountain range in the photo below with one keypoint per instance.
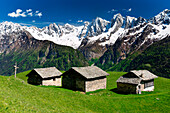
x,y
109,42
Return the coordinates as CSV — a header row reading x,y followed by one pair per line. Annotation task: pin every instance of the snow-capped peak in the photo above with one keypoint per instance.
x,y
118,15
129,22
162,18
130,19
62,35
98,29
117,19
9,27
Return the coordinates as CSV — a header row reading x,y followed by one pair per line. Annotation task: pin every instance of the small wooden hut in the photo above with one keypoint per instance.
x,y
45,76
84,79
136,81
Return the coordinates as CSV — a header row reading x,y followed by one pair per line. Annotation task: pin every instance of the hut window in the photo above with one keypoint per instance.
x,y
53,79
149,84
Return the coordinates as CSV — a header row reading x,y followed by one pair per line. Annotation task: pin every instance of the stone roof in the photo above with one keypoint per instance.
x,y
129,80
144,74
140,75
90,72
48,72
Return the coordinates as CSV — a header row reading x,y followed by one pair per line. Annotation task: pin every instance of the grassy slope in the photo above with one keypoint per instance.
x,y
18,96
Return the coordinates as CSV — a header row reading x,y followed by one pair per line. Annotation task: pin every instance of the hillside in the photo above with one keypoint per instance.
x,y
101,42
156,58
18,96
30,53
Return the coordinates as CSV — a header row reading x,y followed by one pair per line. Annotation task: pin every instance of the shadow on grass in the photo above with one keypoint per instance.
x,y
115,90
59,87
99,90
71,89
50,86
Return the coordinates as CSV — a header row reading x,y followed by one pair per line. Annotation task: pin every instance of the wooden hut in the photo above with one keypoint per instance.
x,y
45,76
136,81
84,79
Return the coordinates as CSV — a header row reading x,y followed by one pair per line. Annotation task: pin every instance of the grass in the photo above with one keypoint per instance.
x,y
22,75
18,96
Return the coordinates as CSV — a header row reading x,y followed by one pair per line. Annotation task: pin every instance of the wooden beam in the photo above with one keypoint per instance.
x,y
15,66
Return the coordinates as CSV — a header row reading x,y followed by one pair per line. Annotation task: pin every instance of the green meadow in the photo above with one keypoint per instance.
x,y
18,96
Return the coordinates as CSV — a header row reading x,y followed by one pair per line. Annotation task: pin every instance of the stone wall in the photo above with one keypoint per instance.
x,y
142,87
73,81
58,81
67,82
34,79
127,88
80,84
149,89
52,82
92,85
148,83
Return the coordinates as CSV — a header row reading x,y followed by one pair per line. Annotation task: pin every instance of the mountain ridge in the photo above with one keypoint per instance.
x,y
98,29
123,27
155,59
109,41
30,53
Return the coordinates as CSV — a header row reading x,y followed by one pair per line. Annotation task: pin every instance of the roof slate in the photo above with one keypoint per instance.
x,y
48,72
144,74
140,75
90,72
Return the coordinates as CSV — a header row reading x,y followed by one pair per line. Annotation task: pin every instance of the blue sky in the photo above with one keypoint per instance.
x,y
44,12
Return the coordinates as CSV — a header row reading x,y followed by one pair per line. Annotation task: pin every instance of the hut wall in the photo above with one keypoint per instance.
x,y
58,81
74,82
52,82
148,85
67,82
80,84
127,88
142,87
34,79
92,85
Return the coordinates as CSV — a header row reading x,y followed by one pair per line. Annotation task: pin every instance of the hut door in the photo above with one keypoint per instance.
x,y
73,85
139,89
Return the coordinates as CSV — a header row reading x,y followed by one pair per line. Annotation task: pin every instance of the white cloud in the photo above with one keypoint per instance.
x,y
111,11
129,10
28,12
33,21
80,21
25,24
18,13
39,14
12,14
23,14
